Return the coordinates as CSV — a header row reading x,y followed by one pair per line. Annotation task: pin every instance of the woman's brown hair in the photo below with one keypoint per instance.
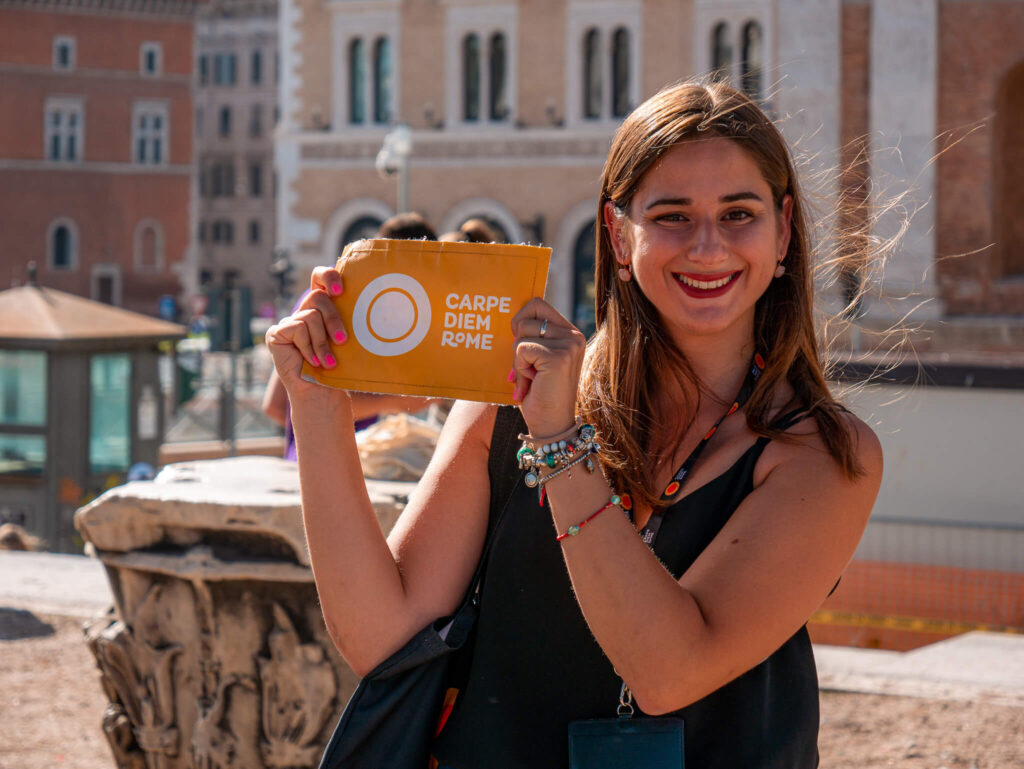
x,y
632,351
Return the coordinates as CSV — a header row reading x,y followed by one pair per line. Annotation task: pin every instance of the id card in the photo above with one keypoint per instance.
x,y
624,743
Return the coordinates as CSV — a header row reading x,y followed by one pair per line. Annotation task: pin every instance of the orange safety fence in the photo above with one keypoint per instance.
x,y
902,606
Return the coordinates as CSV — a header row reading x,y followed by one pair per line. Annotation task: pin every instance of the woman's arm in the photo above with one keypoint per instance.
x,y
374,594
275,399
755,585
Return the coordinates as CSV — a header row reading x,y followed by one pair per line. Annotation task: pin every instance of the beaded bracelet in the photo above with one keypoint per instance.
x,y
573,530
555,455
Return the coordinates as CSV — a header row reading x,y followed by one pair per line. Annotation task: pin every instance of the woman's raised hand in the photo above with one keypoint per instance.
x,y
548,358
304,335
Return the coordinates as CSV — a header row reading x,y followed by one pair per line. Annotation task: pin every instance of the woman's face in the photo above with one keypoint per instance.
x,y
703,237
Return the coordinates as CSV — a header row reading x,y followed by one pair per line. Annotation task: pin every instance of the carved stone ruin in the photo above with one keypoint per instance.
x,y
215,654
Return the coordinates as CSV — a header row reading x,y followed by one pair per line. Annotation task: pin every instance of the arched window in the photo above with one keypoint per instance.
x,y
382,80
147,249
592,74
62,255
1008,176
470,78
149,246
62,246
357,81
750,67
583,292
498,101
721,52
620,72
363,227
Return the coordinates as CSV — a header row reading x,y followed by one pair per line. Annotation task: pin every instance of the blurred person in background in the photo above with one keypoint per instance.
x,y
366,407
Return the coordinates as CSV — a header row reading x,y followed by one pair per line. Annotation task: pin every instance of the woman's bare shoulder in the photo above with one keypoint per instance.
x,y
806,446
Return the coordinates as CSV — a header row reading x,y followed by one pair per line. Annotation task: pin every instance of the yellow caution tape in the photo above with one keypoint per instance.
x,y
915,624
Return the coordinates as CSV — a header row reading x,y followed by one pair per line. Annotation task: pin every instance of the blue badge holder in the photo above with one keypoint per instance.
x,y
626,742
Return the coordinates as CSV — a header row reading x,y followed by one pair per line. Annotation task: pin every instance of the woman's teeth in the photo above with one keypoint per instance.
x,y
705,284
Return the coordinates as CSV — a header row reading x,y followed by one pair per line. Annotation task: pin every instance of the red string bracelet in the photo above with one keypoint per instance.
x,y
574,530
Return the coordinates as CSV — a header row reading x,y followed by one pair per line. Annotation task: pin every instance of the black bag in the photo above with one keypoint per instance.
x,y
392,717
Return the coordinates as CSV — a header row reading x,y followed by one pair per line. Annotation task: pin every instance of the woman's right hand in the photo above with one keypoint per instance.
x,y
304,335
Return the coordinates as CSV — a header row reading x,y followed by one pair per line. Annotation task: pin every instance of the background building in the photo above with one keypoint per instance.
x,y
512,106
236,110
96,146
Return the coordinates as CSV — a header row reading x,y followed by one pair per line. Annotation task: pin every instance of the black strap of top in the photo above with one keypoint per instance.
x,y
649,533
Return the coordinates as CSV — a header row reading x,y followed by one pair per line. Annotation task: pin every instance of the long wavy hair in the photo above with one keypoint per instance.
x,y
632,353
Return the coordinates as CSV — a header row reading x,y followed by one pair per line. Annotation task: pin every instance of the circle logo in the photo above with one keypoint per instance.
x,y
392,315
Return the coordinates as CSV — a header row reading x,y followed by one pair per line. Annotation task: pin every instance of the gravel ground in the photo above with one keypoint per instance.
x,y
51,706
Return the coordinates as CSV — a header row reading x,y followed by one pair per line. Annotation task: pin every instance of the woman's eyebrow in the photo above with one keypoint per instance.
x,y
730,198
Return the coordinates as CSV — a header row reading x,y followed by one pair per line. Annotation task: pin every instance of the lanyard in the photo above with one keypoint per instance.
x,y
650,532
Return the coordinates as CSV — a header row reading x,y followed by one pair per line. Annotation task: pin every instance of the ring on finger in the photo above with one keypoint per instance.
x,y
543,328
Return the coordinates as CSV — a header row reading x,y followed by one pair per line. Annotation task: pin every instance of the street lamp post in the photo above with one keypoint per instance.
x,y
393,158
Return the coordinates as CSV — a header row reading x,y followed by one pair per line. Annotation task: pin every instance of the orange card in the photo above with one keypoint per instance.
x,y
430,318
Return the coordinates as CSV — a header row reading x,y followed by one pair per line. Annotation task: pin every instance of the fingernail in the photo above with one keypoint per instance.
x,y
340,337
330,361
335,288
512,375
316,361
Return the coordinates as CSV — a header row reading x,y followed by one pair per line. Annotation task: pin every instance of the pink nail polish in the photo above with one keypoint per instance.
x,y
330,361
512,375
335,288
340,337
316,361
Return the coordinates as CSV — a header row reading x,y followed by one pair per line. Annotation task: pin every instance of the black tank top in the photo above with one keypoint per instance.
x,y
535,665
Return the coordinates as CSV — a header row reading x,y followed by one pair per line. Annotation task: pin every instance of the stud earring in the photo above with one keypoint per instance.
x,y
780,270
624,273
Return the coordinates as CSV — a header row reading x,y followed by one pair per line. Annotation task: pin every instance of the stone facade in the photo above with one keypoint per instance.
x,y
889,100
77,82
236,79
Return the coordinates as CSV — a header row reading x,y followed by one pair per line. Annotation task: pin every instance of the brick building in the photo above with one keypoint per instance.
x,y
236,110
512,106
96,147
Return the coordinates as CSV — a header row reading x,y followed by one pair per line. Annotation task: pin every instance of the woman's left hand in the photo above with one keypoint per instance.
x,y
548,358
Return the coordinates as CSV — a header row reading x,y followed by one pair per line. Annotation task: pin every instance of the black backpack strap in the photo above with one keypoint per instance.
x,y
504,475
501,465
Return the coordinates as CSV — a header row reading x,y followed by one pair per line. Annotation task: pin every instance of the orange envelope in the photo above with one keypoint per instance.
x,y
430,318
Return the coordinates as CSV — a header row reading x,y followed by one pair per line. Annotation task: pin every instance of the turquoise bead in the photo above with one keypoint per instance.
x,y
550,460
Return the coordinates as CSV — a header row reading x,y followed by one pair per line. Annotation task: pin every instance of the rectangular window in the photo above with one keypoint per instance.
x,y
255,180
62,139
225,69
64,52
202,232
109,413
256,121
22,388
222,179
223,232
149,133
22,454
151,58
204,69
224,122
254,231
256,67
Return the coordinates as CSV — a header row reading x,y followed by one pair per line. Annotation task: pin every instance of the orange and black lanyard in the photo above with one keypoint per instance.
x,y
650,531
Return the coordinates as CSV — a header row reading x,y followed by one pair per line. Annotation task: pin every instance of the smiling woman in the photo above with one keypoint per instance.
x,y
679,578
